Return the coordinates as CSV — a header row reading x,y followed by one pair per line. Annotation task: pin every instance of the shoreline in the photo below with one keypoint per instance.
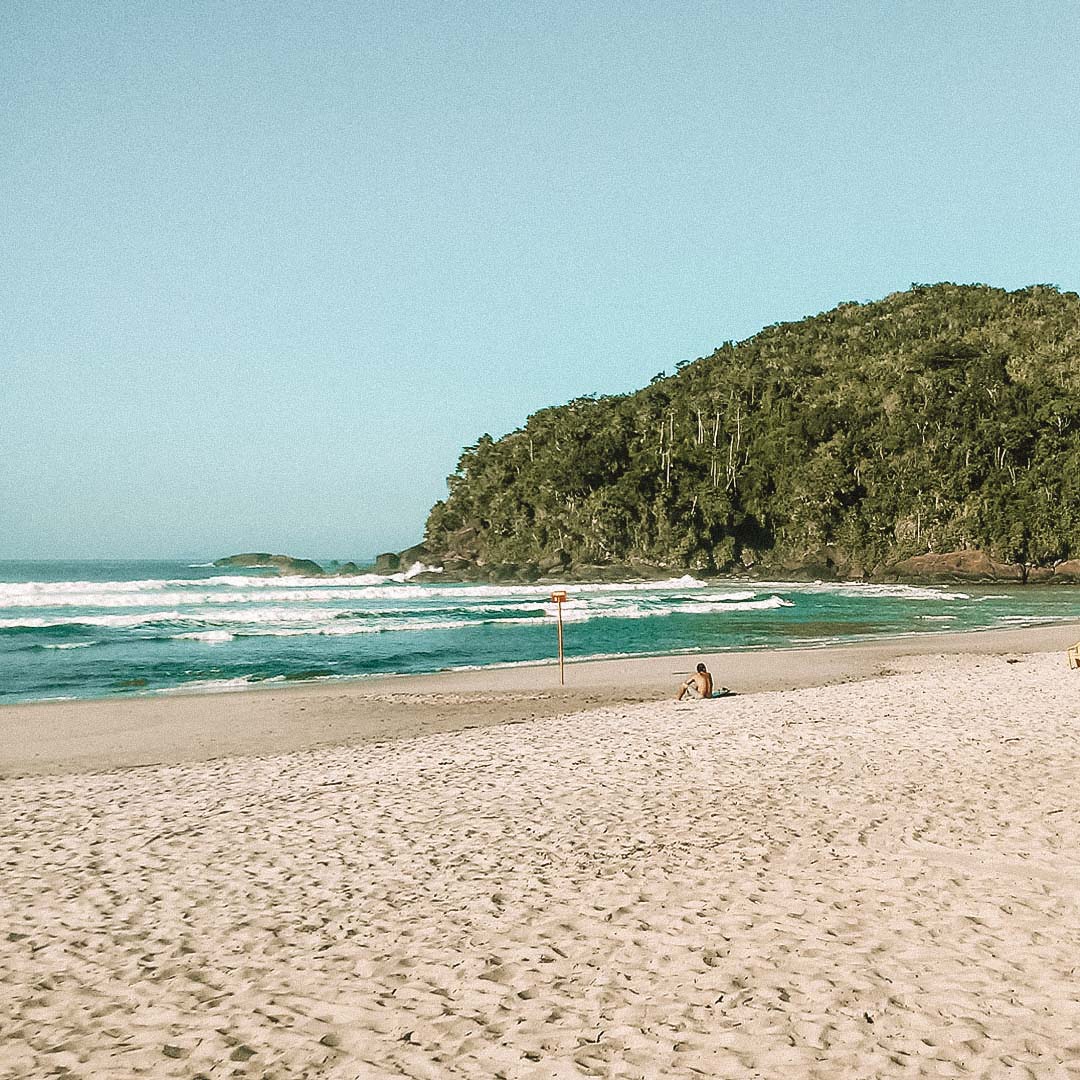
x,y
100,735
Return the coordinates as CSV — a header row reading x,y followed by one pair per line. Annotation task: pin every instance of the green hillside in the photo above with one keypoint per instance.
x,y
942,418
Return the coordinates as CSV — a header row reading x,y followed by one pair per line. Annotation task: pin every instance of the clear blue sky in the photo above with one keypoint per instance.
x,y
267,267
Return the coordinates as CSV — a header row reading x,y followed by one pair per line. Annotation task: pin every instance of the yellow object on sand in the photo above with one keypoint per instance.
x,y
1074,655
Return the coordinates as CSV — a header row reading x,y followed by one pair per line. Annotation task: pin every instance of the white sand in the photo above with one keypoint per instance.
x,y
871,879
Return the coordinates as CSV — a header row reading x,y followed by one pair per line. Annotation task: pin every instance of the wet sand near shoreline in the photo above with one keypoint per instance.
x,y
125,732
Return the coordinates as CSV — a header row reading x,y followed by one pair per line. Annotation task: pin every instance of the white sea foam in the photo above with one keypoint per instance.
x,y
386,627
150,592
712,596
346,628
245,616
15,589
251,581
419,568
585,611
209,618
71,645
1035,619
402,626
93,620
86,599
579,612
191,596
249,682
722,607
112,593
853,589
242,682
212,620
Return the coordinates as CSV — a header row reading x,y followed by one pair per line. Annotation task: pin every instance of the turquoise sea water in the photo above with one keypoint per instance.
x,y
98,629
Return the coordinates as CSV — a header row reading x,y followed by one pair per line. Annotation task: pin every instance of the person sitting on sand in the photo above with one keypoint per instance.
x,y
700,683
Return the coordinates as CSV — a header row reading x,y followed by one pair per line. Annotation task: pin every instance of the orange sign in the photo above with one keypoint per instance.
x,y
558,597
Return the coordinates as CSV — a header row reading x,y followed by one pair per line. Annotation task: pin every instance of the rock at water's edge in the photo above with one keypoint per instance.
x,y
1068,571
953,566
412,555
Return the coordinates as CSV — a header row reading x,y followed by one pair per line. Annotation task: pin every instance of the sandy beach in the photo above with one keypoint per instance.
x,y
173,728
866,863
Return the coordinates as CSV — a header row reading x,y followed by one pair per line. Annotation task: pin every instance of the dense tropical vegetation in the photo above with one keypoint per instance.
x,y
942,418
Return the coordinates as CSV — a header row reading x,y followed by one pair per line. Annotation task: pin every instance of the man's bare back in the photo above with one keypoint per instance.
x,y
700,682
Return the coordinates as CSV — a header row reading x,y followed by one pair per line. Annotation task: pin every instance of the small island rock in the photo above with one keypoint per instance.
x,y
285,565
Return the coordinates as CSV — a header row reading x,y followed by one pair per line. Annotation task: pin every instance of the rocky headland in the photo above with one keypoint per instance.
x,y
933,435
950,567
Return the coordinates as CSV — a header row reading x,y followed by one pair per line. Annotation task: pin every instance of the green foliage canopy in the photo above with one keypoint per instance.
x,y
941,418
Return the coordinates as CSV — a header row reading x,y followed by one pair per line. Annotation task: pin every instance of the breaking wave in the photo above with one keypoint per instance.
x,y
253,590
215,637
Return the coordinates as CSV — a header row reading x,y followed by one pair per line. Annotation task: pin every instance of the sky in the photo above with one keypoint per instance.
x,y
266,268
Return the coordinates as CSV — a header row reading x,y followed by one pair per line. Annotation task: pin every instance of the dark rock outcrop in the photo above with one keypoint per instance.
x,y
555,563
387,563
948,566
285,565
418,553
1067,572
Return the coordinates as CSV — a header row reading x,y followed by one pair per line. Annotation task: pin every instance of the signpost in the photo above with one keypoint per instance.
x,y
558,598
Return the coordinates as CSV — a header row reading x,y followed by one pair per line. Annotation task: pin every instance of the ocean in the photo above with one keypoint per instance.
x,y
102,629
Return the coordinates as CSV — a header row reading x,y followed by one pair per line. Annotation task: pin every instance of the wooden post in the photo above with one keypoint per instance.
x,y
558,598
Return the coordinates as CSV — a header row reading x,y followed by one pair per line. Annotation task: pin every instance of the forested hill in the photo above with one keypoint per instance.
x,y
945,418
